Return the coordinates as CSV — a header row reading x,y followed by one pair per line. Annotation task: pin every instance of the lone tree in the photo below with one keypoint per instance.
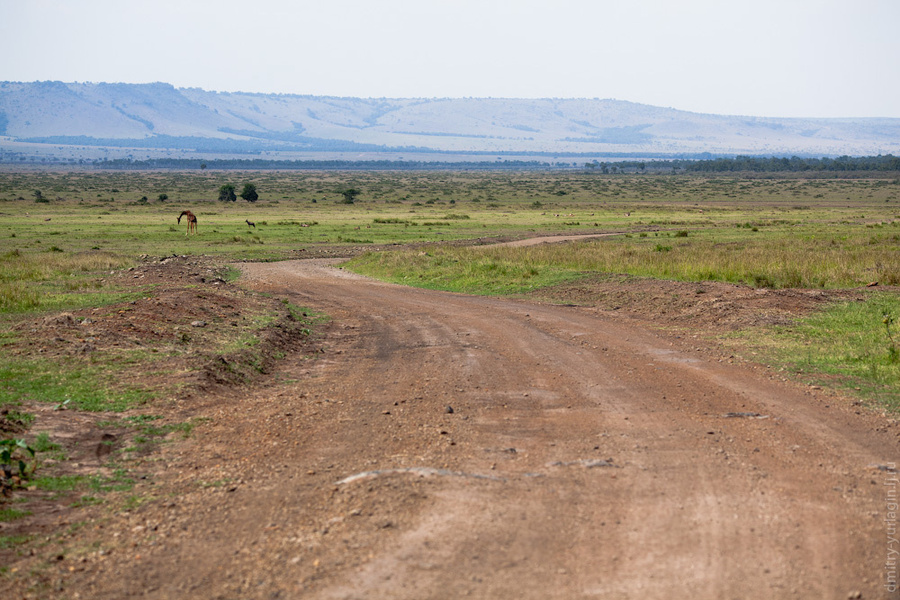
x,y
350,195
249,193
226,193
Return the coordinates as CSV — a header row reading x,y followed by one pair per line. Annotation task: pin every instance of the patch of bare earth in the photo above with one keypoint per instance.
x,y
439,446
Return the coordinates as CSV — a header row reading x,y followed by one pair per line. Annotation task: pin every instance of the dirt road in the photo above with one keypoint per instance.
x,y
449,446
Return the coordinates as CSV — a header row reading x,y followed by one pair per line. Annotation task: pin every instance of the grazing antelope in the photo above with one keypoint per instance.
x,y
250,223
191,221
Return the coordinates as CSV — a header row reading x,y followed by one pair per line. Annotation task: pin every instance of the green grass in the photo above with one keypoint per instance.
x,y
800,256
37,280
408,207
469,270
11,541
58,483
146,426
148,431
42,444
67,383
119,481
133,502
848,345
20,418
11,514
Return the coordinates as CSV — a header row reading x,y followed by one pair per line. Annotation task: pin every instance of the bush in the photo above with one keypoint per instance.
x,y
226,193
249,193
14,471
350,195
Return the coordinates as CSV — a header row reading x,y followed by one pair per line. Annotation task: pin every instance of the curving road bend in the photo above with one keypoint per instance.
x,y
449,446
583,457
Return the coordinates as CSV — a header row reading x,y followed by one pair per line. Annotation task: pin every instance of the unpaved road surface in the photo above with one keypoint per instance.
x,y
448,446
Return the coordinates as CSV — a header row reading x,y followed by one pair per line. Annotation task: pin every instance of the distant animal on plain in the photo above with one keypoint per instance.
x,y
191,221
250,223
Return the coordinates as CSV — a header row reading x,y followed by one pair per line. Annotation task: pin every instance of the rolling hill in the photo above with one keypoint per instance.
x,y
146,120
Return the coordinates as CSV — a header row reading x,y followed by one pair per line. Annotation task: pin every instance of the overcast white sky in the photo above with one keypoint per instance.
x,y
782,58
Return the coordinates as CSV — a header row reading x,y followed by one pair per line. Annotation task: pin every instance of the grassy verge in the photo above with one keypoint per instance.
x,y
57,280
67,383
854,346
468,270
779,258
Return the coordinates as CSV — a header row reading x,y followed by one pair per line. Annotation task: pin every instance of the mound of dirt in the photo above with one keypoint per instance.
x,y
708,307
196,327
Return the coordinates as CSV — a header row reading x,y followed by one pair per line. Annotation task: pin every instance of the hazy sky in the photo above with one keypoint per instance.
x,y
787,58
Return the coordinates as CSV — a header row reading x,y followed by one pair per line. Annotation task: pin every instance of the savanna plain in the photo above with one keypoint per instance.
x,y
405,384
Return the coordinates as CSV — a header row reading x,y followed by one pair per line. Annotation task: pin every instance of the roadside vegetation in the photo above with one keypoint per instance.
x,y
70,240
780,257
852,345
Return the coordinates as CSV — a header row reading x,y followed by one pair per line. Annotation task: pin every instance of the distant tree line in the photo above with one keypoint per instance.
x,y
794,164
755,164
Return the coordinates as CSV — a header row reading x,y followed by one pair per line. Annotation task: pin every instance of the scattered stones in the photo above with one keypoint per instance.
x,y
885,468
60,320
419,471
198,323
586,463
744,415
